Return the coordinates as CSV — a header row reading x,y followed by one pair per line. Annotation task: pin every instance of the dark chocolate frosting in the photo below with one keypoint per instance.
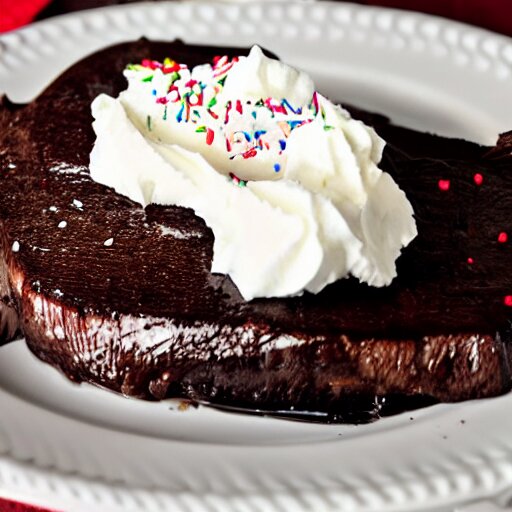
x,y
452,281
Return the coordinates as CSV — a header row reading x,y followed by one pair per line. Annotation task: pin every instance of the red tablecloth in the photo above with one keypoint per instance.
x,y
492,14
10,506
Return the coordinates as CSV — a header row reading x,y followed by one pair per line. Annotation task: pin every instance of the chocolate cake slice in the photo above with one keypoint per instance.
x,y
123,297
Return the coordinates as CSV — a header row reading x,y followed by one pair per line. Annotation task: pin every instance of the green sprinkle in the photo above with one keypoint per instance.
x,y
135,67
222,80
148,78
201,129
212,102
242,183
328,127
165,113
148,122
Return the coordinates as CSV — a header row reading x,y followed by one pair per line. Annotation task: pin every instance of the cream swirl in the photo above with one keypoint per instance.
x,y
288,182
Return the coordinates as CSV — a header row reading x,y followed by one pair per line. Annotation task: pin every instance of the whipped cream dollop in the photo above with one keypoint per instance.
x,y
288,182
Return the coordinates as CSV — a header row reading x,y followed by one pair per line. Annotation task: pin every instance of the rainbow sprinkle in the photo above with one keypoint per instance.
x,y
243,125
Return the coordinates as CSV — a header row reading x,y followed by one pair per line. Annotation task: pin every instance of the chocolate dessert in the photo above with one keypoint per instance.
x,y
123,296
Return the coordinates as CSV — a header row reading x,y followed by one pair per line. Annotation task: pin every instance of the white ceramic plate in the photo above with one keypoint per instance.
x,y
81,449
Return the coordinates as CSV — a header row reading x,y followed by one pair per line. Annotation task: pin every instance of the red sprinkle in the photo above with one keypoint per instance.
x,y
210,134
478,179
444,185
507,300
471,261
239,106
228,108
502,237
250,153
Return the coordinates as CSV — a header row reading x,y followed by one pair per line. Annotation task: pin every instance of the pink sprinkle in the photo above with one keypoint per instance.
x,y
210,134
315,102
478,179
471,261
502,237
444,185
507,300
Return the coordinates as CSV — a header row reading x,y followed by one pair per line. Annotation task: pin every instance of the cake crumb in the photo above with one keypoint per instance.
x,y
15,246
108,242
62,224
185,405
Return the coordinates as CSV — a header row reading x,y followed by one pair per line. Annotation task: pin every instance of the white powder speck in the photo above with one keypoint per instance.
x,y
62,224
108,242
64,168
177,233
11,166
53,209
59,332
77,203
15,246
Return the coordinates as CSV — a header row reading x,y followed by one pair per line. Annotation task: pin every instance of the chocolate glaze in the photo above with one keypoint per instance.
x,y
440,332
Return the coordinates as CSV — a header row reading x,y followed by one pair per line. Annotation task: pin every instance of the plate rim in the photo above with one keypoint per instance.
x,y
43,478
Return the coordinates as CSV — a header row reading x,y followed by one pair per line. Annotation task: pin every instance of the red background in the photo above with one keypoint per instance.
x,y
492,14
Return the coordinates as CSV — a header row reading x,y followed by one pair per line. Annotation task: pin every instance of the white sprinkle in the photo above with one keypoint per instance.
x,y
77,203
53,209
11,166
109,242
58,293
16,246
42,249
62,224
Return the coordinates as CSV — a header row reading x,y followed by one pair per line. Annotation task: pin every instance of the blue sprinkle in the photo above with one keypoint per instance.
x,y
282,143
294,124
259,133
154,92
277,167
253,114
179,116
285,104
247,136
